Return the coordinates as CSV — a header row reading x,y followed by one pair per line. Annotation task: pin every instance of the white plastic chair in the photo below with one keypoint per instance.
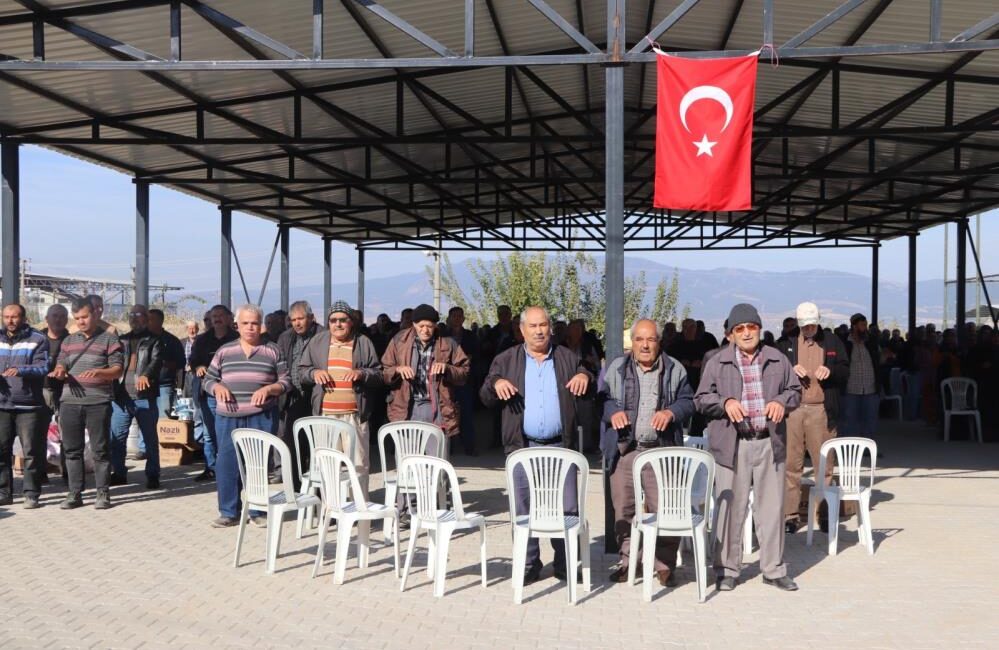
x,y
410,438
963,402
337,505
677,471
253,448
849,473
319,432
547,469
425,474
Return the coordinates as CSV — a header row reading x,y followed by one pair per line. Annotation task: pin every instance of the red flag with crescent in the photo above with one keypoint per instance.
x,y
704,133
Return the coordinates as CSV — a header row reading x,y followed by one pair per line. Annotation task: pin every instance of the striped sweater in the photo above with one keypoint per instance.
x,y
28,351
245,374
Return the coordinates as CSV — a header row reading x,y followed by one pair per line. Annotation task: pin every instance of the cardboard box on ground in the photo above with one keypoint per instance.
x,y
177,444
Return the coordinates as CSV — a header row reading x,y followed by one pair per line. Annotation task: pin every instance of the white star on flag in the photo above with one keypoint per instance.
x,y
704,146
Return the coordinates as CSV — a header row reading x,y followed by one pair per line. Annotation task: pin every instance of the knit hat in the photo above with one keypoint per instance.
x,y
857,317
425,312
341,307
743,313
807,314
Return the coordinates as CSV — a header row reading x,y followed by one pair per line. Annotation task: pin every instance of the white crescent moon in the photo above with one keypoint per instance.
x,y
706,92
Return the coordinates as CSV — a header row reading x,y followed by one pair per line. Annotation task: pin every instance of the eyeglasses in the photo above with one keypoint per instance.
x,y
746,327
137,313
338,320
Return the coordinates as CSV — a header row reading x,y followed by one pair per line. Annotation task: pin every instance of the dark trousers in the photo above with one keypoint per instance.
x,y
298,407
465,396
523,504
622,481
76,420
24,425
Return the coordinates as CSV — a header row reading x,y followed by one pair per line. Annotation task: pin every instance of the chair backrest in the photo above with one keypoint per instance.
x,y
695,442
963,393
253,449
895,382
677,470
422,476
320,431
410,438
547,469
849,461
332,465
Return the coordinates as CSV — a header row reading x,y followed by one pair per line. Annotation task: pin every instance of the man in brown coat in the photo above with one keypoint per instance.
x,y
421,369
745,392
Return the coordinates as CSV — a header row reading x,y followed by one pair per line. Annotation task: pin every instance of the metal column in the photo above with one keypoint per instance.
x,y
360,279
912,283
142,243
875,272
285,234
10,198
962,281
225,285
327,277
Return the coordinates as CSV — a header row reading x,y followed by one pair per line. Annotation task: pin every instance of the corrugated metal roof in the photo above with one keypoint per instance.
x,y
352,132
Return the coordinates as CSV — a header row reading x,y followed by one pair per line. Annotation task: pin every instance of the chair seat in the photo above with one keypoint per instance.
x,y
375,511
649,521
301,500
471,520
845,494
523,521
961,412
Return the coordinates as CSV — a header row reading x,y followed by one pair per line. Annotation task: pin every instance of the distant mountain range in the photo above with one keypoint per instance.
x,y
710,293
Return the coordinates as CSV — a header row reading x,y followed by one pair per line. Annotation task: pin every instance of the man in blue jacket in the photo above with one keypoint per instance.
x,y
646,400
24,362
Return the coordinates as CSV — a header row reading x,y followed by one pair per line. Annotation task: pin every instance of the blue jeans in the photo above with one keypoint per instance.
x,y
860,414
465,396
522,502
145,413
164,404
206,404
226,466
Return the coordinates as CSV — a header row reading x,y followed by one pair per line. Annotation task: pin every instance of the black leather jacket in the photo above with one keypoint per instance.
x,y
148,350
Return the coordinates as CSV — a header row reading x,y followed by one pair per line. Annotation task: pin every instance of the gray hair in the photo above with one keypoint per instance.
x,y
659,328
253,309
193,322
523,314
301,305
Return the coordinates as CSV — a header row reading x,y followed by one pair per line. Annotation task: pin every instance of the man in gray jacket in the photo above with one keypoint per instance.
x,y
646,400
745,392
345,370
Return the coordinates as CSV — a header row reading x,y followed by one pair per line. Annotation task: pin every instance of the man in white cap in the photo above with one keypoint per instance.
x,y
822,367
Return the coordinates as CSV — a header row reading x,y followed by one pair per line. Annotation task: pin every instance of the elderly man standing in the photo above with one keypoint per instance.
x,y
246,377
135,396
822,367
423,370
347,375
24,354
647,399
536,386
89,362
297,402
203,350
745,392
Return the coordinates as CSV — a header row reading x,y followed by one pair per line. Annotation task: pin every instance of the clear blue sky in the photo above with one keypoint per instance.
x,y
68,207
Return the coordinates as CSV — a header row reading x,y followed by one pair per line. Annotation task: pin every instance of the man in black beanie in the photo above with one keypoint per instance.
x,y
745,392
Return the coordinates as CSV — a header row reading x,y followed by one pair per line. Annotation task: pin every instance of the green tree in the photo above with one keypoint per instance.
x,y
666,301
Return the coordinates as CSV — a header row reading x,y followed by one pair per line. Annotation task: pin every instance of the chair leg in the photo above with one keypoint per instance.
x,y
833,500
323,528
342,548
273,538
303,513
648,561
946,426
440,570
431,550
482,554
395,545
813,503
518,559
414,533
635,538
864,511
391,490
363,541
240,532
699,540
978,427
584,551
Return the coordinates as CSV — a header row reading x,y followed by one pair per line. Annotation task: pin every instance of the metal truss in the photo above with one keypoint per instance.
x,y
535,178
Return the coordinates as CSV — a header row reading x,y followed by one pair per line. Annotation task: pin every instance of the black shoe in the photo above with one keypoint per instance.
x,y
791,526
103,500
532,574
118,479
666,578
71,501
225,522
783,583
207,475
152,484
139,455
618,575
725,584
30,501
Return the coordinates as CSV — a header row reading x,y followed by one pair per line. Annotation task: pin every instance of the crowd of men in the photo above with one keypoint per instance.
x,y
761,403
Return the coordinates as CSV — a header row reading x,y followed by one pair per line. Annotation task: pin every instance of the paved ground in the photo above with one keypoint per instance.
x,y
151,573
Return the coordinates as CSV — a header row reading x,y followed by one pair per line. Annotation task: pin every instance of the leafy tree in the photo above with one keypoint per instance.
x,y
664,306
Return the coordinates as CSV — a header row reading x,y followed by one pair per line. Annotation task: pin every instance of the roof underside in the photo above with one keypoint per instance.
x,y
848,150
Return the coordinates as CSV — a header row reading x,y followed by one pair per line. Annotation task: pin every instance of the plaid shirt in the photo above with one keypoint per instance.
x,y
752,394
423,357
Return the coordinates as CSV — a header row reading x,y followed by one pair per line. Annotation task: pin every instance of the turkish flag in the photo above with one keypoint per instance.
x,y
704,133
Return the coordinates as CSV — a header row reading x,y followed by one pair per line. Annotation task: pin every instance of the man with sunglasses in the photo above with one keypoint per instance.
x,y
347,375
745,392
